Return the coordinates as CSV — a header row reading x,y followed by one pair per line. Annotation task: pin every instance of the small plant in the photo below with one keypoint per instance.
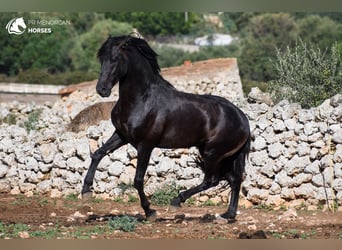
x,y
209,203
72,197
32,120
124,187
124,223
165,195
10,119
132,198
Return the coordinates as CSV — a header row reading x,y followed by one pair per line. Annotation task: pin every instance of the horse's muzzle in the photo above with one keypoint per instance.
x,y
103,91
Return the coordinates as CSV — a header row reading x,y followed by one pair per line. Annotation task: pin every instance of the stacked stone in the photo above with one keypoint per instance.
x,y
296,153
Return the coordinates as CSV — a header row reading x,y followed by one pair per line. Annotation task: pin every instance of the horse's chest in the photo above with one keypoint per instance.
x,y
129,122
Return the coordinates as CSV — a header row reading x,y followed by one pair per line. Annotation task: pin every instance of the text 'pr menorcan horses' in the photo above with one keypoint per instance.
x,y
151,113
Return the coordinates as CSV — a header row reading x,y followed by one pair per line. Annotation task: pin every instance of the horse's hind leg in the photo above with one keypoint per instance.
x,y
113,143
234,175
235,184
183,196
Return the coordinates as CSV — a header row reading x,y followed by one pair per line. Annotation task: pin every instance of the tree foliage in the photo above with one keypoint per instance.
x,y
83,53
306,74
262,36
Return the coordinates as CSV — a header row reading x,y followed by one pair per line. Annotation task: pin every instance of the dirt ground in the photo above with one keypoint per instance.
x,y
71,218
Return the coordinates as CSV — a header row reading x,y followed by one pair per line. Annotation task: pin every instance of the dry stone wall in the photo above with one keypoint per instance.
x,y
296,155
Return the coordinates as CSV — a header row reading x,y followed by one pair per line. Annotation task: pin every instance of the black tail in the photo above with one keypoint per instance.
x,y
240,161
235,165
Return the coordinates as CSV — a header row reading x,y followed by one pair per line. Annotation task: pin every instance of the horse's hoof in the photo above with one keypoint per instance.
x,y
151,216
87,196
229,217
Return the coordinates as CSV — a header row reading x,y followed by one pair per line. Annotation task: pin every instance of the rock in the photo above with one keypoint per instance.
x,y
323,179
5,186
278,126
48,152
297,164
289,215
336,100
275,150
164,166
337,170
24,235
82,148
116,168
301,178
259,158
290,124
267,170
3,170
337,136
31,164
257,96
255,195
306,115
44,186
283,179
259,143
68,148
337,184
287,194
274,201
306,191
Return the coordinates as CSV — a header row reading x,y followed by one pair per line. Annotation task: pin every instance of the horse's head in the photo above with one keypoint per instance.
x,y
114,63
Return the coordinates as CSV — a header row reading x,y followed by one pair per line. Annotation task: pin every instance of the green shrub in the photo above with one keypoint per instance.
x,y
125,223
34,76
42,76
32,120
72,77
165,195
307,75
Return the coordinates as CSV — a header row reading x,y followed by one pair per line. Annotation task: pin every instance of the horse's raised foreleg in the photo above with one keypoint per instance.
x,y
144,154
113,143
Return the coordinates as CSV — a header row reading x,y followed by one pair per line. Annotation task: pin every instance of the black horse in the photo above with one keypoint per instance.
x,y
151,113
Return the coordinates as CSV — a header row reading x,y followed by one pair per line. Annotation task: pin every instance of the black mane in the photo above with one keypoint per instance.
x,y
122,42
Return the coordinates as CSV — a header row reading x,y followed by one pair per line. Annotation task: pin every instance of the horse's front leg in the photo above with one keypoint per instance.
x,y
114,142
144,154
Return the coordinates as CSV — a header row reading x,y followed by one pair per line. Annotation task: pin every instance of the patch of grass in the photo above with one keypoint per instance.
x,y
132,198
12,230
32,120
46,234
118,200
124,187
71,197
164,195
294,234
10,119
264,207
191,201
209,203
124,223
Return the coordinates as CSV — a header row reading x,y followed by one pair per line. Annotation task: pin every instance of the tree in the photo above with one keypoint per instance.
x,y
307,75
156,23
261,37
83,53
321,31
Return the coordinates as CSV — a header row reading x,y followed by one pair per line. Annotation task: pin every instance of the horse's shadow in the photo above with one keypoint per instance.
x,y
177,219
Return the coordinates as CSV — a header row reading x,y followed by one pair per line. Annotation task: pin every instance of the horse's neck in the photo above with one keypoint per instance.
x,y
134,86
